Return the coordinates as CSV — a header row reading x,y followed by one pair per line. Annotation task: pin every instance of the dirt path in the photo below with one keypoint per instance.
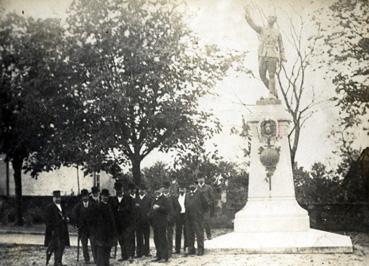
x,y
25,255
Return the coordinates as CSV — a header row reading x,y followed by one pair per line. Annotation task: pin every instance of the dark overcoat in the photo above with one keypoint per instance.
x,y
123,212
106,232
56,225
159,217
143,208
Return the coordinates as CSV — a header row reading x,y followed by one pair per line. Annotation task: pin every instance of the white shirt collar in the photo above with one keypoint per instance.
x,y
142,196
120,198
58,206
181,201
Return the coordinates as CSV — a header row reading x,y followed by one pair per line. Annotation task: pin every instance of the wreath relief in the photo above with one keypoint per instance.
x,y
269,153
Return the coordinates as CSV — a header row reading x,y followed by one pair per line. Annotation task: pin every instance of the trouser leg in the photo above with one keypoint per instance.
x,y
84,242
146,235
169,233
140,240
99,256
163,242
59,250
106,251
180,227
199,231
93,248
185,229
190,235
262,72
131,241
125,238
207,224
272,68
157,242
121,244
178,235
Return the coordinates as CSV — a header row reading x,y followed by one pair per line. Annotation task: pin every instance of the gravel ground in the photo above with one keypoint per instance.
x,y
35,255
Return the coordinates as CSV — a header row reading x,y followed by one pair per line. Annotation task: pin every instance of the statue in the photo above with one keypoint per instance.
x,y
270,52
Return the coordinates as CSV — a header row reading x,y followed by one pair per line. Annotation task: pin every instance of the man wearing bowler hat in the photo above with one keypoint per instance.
x,y
195,205
56,235
208,194
159,219
106,230
143,205
84,219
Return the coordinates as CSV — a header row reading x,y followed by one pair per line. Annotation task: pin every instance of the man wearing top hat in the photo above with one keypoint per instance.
x,y
122,206
195,205
159,220
56,235
105,230
95,200
171,197
208,194
143,205
85,218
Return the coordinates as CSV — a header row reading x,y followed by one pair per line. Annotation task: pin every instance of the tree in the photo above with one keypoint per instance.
x,y
345,54
29,87
142,73
318,185
156,175
292,82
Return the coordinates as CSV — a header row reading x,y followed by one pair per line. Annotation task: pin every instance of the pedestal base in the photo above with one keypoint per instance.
x,y
274,215
310,241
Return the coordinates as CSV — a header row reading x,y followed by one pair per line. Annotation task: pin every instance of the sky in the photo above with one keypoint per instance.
x,y
222,22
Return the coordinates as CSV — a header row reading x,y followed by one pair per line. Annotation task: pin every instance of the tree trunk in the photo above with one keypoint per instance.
x,y
136,170
295,144
17,167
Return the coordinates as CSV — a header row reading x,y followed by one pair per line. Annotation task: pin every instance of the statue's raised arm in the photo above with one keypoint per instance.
x,y
251,22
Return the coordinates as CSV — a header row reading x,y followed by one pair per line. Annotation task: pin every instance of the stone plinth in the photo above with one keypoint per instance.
x,y
272,220
310,241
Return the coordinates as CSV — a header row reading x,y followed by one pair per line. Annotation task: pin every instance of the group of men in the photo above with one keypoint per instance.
x,y
124,220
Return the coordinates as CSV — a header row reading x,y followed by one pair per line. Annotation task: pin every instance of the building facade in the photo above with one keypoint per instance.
x,y
69,180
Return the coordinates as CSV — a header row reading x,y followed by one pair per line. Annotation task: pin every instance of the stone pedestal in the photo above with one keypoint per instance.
x,y
271,207
272,220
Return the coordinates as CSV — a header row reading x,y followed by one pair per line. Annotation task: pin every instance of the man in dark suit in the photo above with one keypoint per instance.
x,y
171,197
143,205
195,205
133,225
208,194
123,207
106,230
181,219
95,200
84,219
56,235
159,219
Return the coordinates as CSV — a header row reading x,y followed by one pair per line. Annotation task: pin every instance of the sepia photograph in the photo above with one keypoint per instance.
x,y
184,132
